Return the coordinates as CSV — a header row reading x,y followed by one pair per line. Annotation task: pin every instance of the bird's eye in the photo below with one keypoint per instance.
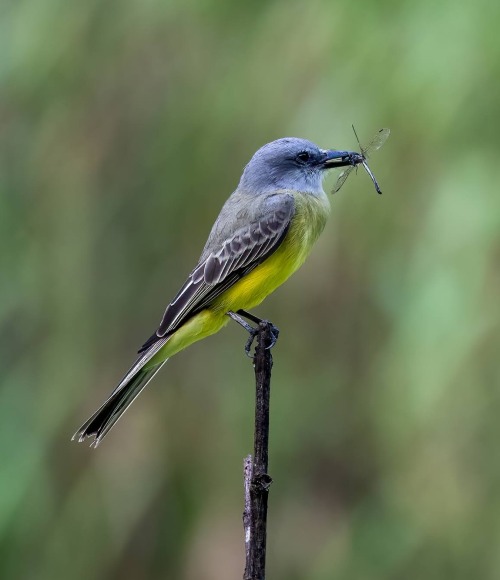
x,y
303,157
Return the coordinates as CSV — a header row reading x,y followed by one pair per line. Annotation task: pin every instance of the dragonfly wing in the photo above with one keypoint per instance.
x,y
342,177
377,142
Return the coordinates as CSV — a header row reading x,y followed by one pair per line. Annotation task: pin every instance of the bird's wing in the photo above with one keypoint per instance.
x,y
228,261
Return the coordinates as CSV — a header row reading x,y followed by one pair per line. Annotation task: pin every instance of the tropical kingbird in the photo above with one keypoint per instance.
x,y
262,235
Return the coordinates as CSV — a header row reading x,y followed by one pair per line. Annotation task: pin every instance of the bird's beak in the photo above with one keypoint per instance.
x,y
332,158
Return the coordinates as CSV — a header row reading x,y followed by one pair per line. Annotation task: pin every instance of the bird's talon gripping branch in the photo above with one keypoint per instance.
x,y
275,332
238,317
248,346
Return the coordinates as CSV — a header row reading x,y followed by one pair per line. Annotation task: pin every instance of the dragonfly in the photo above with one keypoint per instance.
x,y
360,158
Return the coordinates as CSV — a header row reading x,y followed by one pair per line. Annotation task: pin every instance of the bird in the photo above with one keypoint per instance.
x,y
263,234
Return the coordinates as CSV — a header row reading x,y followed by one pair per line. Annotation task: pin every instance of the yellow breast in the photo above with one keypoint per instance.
x,y
307,224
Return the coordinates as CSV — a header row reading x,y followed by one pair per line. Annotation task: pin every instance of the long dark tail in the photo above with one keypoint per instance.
x,y
118,402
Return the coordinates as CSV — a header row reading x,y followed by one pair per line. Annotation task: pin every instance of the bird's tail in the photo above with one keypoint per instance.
x,y
118,402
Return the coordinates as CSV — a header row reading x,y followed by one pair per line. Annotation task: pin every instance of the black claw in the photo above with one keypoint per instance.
x,y
253,333
275,332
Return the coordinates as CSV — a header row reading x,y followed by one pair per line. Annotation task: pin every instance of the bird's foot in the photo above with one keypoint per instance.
x,y
248,346
253,332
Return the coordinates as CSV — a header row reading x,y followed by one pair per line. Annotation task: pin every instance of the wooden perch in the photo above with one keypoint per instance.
x,y
257,480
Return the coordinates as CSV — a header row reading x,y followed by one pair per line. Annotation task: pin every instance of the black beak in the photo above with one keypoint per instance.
x,y
332,158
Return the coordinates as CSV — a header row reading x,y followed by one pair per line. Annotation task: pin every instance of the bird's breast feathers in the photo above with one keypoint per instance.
x,y
311,213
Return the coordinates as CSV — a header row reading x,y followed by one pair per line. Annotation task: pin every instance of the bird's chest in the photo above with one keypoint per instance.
x,y
307,224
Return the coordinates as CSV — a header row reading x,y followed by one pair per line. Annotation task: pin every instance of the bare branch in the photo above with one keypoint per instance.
x,y
257,480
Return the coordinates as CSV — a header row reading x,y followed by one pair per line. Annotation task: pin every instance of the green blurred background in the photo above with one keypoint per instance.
x,y
124,127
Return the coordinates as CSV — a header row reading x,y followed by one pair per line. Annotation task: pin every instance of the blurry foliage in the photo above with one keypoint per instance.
x,y
124,126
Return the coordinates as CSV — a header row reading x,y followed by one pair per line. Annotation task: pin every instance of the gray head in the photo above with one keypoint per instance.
x,y
290,163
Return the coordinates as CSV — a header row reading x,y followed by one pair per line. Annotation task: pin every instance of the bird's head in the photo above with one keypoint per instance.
x,y
293,164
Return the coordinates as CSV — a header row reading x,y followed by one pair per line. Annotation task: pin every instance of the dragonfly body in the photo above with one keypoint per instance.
x,y
356,159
